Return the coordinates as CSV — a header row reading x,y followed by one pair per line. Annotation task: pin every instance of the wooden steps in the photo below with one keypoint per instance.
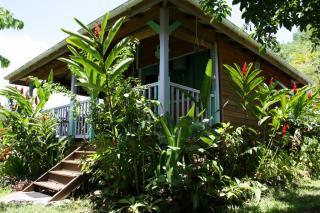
x,y
63,178
50,185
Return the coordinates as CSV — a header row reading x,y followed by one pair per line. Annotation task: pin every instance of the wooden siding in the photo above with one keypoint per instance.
x,y
231,52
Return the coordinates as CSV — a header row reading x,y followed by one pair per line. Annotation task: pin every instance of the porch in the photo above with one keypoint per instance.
x,y
181,100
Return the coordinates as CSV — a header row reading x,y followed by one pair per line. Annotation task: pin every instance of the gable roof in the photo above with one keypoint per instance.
x,y
191,6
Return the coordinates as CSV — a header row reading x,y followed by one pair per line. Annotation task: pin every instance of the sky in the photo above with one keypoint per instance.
x,y
44,19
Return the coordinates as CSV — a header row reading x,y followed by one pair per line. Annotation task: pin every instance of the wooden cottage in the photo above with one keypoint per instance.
x,y
176,41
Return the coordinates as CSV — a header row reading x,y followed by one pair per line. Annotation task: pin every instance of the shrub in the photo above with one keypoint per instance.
x,y
29,134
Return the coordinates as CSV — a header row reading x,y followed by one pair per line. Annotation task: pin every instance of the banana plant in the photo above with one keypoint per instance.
x,y
176,142
176,138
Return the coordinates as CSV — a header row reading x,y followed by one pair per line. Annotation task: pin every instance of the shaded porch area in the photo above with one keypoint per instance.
x,y
181,100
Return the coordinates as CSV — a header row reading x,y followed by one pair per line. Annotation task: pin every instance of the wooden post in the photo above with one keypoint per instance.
x,y
72,120
216,107
164,79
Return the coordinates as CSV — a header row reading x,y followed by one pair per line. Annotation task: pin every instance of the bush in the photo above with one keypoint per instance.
x,y
29,134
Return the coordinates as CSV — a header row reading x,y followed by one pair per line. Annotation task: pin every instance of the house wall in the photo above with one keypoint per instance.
x,y
230,53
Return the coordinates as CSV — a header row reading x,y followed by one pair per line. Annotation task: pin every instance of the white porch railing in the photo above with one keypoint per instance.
x,y
151,92
181,100
81,125
62,114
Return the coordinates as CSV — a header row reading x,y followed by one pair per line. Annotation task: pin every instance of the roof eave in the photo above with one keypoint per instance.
x,y
232,30
50,54
254,46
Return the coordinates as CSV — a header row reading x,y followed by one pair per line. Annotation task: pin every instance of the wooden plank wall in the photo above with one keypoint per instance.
x,y
231,52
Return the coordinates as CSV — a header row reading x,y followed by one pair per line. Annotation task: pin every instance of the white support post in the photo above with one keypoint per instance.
x,y
164,80
216,84
72,120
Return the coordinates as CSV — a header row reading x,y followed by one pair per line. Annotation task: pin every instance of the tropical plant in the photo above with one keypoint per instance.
x,y
246,82
97,64
30,134
120,115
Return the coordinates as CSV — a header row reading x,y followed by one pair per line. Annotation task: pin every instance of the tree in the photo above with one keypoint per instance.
x,y
7,21
298,53
265,17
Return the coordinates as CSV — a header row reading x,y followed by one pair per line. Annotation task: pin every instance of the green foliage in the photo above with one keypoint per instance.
x,y
97,66
299,198
143,163
286,141
217,9
246,82
125,141
30,135
122,119
288,14
302,55
206,85
7,21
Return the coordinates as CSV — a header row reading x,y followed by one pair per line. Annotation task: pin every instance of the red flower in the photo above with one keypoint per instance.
x,y
27,94
309,94
271,81
21,90
97,29
244,69
284,129
36,100
295,88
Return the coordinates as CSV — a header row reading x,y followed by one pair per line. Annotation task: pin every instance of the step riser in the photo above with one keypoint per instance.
x,y
70,166
59,179
80,156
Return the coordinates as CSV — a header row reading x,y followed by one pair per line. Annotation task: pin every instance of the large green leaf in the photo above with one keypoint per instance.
x,y
81,37
112,33
104,27
120,68
77,42
88,64
86,29
115,52
206,84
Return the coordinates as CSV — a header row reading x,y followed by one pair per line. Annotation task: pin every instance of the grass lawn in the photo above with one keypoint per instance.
x,y
74,206
304,198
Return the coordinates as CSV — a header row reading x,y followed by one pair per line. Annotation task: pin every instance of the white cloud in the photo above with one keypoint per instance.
x,y
19,49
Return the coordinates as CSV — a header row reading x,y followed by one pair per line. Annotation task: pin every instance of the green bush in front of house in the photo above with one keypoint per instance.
x,y
29,145
144,164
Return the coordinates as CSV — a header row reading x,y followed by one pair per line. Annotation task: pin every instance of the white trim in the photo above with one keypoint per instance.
x,y
216,83
164,79
72,120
